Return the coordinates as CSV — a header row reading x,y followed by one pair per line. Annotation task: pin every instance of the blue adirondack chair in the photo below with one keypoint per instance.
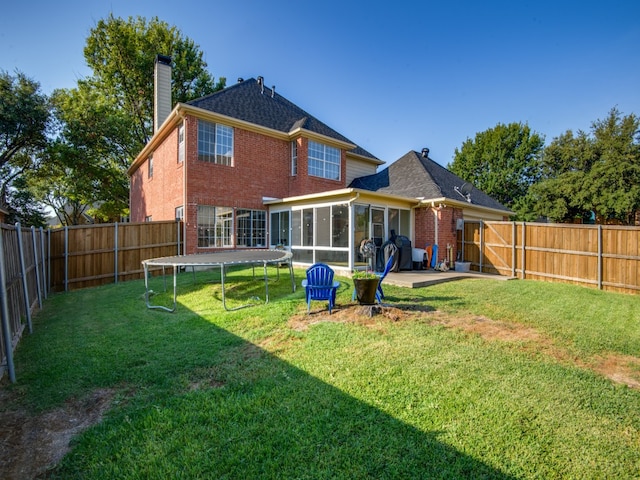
x,y
381,276
319,285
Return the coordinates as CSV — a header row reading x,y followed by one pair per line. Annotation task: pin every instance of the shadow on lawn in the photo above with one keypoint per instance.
x,y
245,413
197,401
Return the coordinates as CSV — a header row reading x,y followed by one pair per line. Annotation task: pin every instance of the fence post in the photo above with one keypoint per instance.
x,y
481,244
66,259
524,255
464,232
45,284
49,256
115,252
6,327
178,231
35,259
23,270
599,257
514,238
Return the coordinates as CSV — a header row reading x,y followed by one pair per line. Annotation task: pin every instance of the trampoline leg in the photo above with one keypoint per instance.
x,y
293,281
146,288
266,283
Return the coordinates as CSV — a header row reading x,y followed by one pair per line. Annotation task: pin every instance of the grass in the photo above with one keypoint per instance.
x,y
205,393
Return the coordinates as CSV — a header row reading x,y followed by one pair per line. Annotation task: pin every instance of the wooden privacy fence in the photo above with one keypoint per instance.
x,y
22,285
92,255
33,261
602,256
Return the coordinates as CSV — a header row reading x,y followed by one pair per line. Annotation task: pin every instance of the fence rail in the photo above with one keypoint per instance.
x,y
92,255
33,261
602,256
22,286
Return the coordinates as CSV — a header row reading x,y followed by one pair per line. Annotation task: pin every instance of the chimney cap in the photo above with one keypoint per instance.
x,y
240,79
425,152
164,59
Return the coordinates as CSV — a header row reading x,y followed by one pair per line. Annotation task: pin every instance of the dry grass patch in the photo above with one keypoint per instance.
x,y
623,369
32,444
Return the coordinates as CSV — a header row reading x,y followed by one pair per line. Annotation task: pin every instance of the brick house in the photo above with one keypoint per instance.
x,y
246,168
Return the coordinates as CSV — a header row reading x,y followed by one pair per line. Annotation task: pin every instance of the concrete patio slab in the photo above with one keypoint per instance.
x,y
423,278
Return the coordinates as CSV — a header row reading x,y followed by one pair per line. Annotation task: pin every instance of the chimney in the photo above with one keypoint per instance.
x,y
161,91
261,83
273,91
425,152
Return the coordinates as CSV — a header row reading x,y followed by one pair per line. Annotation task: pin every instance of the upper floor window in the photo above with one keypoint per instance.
x,y
150,165
215,143
181,143
294,158
324,161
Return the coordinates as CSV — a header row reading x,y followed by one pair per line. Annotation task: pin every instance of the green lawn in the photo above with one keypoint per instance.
x,y
205,393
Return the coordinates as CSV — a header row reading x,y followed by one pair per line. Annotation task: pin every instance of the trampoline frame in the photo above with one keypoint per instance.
x,y
218,259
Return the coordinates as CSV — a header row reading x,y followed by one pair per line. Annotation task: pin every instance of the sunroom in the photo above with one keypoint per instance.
x,y
330,227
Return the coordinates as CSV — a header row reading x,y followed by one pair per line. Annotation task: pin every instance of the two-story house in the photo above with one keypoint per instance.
x,y
246,168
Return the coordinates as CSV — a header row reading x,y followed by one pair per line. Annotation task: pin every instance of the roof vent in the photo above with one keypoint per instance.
x,y
273,91
261,83
425,152
240,79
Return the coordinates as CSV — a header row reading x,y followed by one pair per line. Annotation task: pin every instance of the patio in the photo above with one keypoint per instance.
x,y
424,278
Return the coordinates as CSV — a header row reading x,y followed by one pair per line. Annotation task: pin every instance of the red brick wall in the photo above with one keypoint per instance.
x,y
424,227
425,231
303,184
261,168
447,231
159,195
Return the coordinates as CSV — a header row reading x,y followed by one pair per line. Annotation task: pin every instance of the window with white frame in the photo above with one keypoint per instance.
x,y
294,158
324,161
251,228
215,226
215,143
181,143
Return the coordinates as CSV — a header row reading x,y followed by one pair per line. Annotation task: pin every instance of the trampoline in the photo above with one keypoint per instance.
x,y
221,260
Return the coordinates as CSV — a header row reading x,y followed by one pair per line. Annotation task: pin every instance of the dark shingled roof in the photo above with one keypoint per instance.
x,y
248,101
416,176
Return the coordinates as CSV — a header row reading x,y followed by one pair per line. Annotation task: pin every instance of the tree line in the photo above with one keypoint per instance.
x,y
69,152
588,177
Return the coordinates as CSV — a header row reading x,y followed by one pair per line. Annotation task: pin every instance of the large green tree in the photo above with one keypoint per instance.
x,y
502,161
24,123
593,175
122,53
108,118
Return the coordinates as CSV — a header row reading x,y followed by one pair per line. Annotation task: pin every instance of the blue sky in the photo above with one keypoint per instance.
x,y
391,76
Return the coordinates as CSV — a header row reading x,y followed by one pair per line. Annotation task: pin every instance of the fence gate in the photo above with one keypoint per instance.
x,y
489,247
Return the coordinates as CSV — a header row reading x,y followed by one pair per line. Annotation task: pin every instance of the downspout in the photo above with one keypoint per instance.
x,y
184,185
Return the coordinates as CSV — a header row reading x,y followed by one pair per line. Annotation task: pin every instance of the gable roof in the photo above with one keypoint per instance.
x,y
252,102
416,176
